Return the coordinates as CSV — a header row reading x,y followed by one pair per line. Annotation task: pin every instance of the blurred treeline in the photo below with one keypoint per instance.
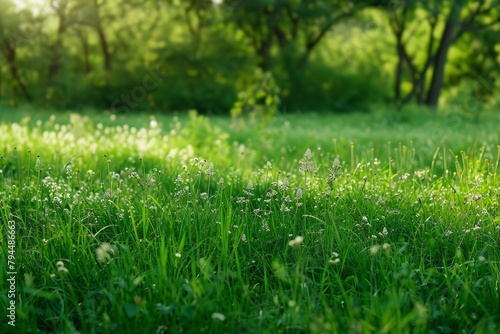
x,y
207,55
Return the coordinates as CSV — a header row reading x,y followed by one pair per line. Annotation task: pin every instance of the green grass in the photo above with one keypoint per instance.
x,y
185,224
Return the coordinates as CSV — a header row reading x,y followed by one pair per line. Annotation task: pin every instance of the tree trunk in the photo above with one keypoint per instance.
x,y
15,73
102,37
442,55
399,69
10,54
264,53
86,51
55,65
105,48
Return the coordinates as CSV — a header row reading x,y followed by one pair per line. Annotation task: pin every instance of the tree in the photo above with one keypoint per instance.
x,y
446,22
12,35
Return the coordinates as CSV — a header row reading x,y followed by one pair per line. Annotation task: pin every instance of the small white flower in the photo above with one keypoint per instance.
x,y
296,242
298,194
306,164
271,193
104,252
178,255
61,268
420,173
374,249
218,316
210,169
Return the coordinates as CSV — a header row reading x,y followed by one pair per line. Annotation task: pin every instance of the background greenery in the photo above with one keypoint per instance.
x,y
136,212
307,55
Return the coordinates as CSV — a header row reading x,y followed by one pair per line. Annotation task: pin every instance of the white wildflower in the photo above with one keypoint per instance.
x,y
335,172
296,242
104,252
298,194
61,268
218,316
271,193
374,249
210,169
306,164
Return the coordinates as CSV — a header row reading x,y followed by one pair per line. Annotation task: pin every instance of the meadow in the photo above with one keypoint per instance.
x,y
314,223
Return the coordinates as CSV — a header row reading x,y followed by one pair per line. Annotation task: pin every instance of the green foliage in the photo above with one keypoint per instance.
x,y
259,99
323,86
324,55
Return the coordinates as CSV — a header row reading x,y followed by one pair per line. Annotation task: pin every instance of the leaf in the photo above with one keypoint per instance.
x,y
261,93
187,311
137,281
130,309
165,309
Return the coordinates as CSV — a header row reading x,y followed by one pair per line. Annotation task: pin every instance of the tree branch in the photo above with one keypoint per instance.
x,y
188,19
470,23
312,43
295,21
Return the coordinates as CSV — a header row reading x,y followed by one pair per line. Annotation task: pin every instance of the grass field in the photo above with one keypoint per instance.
x,y
363,223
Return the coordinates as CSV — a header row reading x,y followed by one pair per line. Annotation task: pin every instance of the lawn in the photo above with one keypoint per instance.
x,y
309,223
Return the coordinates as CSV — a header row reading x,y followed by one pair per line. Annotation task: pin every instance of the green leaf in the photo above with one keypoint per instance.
x,y
130,309
165,309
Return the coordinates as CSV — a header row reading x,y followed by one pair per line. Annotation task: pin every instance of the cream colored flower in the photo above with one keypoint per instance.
x,y
296,242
